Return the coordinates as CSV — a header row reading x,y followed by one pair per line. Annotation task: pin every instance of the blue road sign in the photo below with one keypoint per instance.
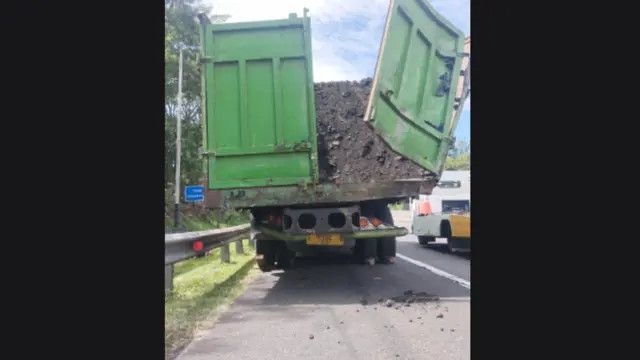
x,y
194,193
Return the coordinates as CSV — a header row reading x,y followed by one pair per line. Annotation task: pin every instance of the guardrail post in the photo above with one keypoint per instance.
x,y
239,249
225,256
168,278
182,246
252,240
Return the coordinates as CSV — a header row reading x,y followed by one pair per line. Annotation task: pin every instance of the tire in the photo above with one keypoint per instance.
x,y
266,248
284,256
453,244
386,245
365,250
424,240
457,244
385,248
450,245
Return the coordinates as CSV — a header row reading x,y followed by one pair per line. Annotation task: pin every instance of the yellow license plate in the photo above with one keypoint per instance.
x,y
325,239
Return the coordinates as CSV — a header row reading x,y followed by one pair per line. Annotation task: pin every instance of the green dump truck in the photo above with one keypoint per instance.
x,y
260,141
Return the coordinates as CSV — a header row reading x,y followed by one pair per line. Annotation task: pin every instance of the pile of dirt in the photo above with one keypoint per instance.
x,y
420,297
349,151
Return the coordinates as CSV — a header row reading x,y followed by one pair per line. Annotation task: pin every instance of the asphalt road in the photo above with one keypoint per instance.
x,y
435,254
316,311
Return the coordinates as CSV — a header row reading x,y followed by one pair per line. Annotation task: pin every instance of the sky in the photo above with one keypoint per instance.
x,y
345,34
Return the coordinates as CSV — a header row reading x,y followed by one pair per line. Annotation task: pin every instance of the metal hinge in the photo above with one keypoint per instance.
x,y
450,140
302,145
205,60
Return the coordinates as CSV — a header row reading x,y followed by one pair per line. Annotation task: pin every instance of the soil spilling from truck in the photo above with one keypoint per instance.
x,y
349,151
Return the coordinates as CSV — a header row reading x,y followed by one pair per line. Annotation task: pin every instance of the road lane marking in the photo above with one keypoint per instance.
x,y
462,282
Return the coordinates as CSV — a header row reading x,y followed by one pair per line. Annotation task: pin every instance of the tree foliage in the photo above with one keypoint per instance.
x,y
182,32
459,157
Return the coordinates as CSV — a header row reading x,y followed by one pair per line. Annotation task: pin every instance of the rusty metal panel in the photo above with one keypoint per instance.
x,y
316,194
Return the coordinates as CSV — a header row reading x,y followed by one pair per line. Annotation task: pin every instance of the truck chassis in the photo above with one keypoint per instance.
x,y
365,228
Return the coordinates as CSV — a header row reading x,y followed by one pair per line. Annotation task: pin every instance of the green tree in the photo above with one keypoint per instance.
x,y
460,147
461,162
182,32
459,158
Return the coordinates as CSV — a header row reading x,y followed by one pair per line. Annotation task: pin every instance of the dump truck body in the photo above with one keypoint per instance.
x,y
259,110
260,133
260,139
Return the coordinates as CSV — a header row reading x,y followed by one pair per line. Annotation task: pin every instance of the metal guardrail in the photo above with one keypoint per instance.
x,y
182,246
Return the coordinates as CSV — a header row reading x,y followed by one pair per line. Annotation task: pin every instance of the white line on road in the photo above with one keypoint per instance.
x,y
436,271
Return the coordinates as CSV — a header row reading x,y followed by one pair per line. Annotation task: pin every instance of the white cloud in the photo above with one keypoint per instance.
x,y
252,10
345,34
456,11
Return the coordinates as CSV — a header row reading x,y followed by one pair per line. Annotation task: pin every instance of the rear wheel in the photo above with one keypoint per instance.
x,y
385,248
453,244
458,244
284,256
424,240
266,251
386,245
365,251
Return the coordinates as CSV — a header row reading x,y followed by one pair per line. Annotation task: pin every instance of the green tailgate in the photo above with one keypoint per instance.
x,y
411,103
260,126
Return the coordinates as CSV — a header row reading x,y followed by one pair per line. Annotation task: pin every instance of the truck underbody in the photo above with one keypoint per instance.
x,y
365,228
319,195
303,220
318,164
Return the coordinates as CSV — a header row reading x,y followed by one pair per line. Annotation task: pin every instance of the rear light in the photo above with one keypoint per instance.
x,y
363,222
376,222
274,219
197,245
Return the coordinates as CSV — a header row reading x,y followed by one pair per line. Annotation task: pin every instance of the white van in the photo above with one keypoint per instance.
x,y
447,214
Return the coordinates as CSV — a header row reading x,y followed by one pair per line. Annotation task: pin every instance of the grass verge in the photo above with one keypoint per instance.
x,y
202,287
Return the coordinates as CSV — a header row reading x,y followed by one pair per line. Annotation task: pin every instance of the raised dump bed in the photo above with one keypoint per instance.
x,y
317,164
273,138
